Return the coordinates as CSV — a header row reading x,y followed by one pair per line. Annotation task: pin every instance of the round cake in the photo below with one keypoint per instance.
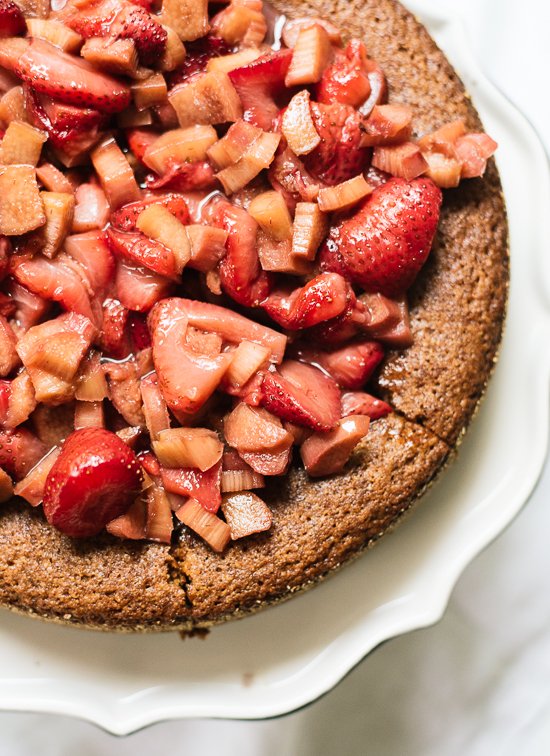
x,y
457,309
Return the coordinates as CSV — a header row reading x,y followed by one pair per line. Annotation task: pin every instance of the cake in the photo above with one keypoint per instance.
x,y
457,308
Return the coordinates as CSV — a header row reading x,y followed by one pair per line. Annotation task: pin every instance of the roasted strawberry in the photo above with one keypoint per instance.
x,y
259,83
339,155
346,80
93,255
351,365
189,177
386,242
240,272
139,288
62,76
20,450
140,250
288,175
115,337
361,403
149,36
302,394
202,486
95,479
12,21
125,218
198,54
139,140
322,298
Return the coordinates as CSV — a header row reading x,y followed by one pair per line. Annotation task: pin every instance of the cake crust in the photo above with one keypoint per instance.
x,y
457,311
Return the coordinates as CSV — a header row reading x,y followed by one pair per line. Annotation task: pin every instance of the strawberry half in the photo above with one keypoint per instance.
x,y
140,250
20,450
386,242
346,80
258,85
62,76
323,298
95,479
339,155
190,481
12,21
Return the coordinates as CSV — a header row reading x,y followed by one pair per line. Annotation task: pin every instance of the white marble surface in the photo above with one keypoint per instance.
x,y
478,682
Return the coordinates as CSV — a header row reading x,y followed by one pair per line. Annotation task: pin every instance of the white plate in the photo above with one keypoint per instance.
x,y
287,656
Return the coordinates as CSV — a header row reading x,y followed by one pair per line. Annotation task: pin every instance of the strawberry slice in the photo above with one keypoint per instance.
x,y
351,365
95,479
302,394
346,80
188,177
89,249
202,486
339,155
240,272
139,140
199,52
126,217
12,21
361,403
258,85
20,450
62,76
139,288
148,34
386,242
140,250
322,298
288,175
115,338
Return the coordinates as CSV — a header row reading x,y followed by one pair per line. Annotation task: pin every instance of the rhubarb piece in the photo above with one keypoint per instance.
x,y
250,429
402,160
227,63
444,139
158,224
309,230
22,400
234,145
208,98
361,403
115,56
297,125
149,92
188,18
214,531
131,524
241,22
248,358
385,243
344,195
312,52
159,523
12,106
174,52
442,170
154,406
206,245
55,33
59,211
123,380
257,157
258,84
21,208
327,453
92,208
64,77
294,26
115,174
378,88
277,256
387,320
91,382
132,118
346,79
232,326
188,447
6,487
53,179
186,379
270,211
387,124
139,288
473,150
95,479
31,487
246,514
9,358
179,146
302,394
89,415
93,255
21,144
241,480
12,21
322,298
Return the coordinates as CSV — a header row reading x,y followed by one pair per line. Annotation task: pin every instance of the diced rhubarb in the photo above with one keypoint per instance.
x,y
256,158
21,207
9,359
259,438
114,56
92,208
297,125
188,18
159,523
134,119
174,51
309,230
12,105
237,475
270,211
241,22
227,63
322,298
149,92
6,487
154,406
53,179
327,453
31,487
248,358
387,320
312,52
207,246
89,249
20,450
115,174
443,139
402,160
207,98
55,33
158,224
233,327
361,403
259,83
246,513
188,447
139,288
387,124
131,524
89,415
59,211
179,146
233,146
186,379
91,383
378,88
294,26
124,390
302,394
22,400
277,256
21,144
474,150
443,171
214,531
344,195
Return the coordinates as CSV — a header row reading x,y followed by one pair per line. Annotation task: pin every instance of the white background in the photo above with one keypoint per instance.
x,y
478,682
